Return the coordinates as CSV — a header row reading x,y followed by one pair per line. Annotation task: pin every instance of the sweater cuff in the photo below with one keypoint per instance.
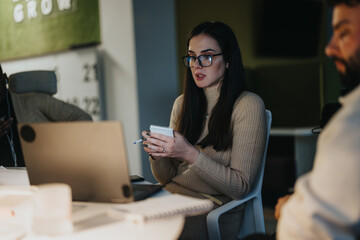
x,y
158,161
200,163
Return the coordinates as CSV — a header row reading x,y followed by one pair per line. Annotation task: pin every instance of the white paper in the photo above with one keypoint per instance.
x,y
13,176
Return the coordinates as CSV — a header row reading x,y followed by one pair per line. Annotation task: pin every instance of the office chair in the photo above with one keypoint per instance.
x,y
33,81
253,221
31,95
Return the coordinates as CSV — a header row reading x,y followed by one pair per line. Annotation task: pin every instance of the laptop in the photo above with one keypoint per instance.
x,y
89,156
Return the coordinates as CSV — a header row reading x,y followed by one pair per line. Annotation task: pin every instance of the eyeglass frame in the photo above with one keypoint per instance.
x,y
185,59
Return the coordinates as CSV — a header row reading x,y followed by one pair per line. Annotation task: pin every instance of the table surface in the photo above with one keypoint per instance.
x,y
297,132
92,222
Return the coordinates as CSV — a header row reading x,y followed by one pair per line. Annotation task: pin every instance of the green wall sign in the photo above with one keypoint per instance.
x,y
37,27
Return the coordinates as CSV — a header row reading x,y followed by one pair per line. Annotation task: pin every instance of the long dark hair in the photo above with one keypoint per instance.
x,y
193,111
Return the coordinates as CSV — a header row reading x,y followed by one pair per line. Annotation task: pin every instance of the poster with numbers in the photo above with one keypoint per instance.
x,y
78,81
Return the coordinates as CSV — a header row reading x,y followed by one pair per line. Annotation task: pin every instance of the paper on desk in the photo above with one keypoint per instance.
x,y
13,176
158,208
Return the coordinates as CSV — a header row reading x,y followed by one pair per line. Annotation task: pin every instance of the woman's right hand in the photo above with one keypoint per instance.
x,y
159,145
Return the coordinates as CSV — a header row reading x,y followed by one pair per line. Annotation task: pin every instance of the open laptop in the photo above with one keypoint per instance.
x,y
89,156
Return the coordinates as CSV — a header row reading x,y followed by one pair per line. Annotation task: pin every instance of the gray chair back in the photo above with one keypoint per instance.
x,y
33,81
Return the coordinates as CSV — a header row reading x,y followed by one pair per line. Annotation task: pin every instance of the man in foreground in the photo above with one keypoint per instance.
x,y
326,202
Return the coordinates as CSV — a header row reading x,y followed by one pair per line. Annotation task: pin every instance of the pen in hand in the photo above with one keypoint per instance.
x,y
138,141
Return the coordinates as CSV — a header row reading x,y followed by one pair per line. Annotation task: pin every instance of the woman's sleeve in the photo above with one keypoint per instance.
x,y
165,169
249,129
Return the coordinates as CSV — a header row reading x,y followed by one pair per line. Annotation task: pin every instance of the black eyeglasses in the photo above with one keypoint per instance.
x,y
204,60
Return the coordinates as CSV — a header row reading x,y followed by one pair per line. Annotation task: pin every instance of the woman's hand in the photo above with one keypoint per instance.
x,y
158,145
5,126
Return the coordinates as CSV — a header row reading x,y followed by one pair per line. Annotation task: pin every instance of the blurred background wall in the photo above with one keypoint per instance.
x,y
140,71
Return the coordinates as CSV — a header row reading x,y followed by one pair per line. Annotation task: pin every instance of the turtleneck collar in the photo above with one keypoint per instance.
x,y
212,95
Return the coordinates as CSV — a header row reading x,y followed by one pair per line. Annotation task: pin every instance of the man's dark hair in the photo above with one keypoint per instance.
x,y
347,2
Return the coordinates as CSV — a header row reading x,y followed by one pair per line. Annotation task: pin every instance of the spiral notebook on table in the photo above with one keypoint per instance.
x,y
161,208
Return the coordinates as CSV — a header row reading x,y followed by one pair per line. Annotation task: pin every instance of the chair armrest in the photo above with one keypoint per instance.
x,y
212,218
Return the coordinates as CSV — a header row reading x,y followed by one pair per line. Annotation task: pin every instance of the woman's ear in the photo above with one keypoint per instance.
x,y
227,65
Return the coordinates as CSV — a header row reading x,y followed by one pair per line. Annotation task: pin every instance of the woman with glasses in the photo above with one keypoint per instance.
x,y
220,130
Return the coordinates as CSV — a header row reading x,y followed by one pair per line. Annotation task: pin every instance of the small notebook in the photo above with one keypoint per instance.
x,y
161,208
162,130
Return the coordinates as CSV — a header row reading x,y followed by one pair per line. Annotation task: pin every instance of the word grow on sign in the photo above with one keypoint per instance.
x,y
33,8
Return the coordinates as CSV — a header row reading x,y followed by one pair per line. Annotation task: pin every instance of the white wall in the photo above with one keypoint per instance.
x,y
117,57
76,76
118,54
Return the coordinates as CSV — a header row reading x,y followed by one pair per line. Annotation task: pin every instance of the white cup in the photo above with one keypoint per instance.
x,y
16,212
52,210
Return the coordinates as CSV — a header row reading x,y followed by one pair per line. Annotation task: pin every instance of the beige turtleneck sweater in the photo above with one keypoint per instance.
x,y
226,174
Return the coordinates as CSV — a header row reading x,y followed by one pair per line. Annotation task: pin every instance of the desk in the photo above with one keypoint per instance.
x,y
304,146
91,221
